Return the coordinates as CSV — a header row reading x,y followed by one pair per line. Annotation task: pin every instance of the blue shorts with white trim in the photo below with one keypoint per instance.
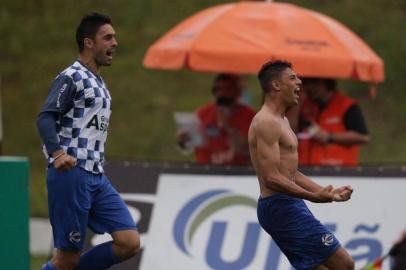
x,y
300,236
78,199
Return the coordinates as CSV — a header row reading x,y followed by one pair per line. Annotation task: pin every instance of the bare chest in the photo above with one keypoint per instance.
x,y
288,141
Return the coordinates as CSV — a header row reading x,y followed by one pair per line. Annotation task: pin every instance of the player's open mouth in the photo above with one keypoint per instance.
x,y
296,92
110,53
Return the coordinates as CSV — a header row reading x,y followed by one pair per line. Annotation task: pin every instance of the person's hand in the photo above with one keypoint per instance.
x,y
64,162
321,136
342,194
324,195
182,137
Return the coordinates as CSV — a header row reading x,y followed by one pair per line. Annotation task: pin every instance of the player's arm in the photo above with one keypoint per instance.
x,y
268,133
58,102
306,183
340,194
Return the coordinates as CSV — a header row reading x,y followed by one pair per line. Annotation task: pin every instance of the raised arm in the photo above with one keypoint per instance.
x,y
268,132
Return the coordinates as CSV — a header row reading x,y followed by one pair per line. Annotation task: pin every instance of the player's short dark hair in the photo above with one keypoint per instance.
x,y
88,27
270,71
228,77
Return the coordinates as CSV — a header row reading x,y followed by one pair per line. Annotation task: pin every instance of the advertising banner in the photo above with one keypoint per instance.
x,y
196,217
210,222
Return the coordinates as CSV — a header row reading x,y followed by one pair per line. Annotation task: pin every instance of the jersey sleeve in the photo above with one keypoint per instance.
x,y
46,124
354,120
61,95
58,102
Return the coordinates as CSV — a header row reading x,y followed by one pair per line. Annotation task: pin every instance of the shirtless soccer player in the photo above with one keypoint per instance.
x,y
281,208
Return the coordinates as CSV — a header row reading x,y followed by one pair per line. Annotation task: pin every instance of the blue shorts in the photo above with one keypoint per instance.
x,y
300,236
78,199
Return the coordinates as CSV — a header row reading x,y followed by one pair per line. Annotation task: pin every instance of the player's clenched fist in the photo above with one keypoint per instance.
x,y
342,194
64,162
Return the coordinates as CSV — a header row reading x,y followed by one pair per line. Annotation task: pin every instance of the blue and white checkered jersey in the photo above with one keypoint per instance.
x,y
82,127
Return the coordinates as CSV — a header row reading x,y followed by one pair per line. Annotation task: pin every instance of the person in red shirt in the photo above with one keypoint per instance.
x,y
331,126
223,125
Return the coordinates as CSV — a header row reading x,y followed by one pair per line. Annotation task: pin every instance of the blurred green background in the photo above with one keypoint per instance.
x,y
37,42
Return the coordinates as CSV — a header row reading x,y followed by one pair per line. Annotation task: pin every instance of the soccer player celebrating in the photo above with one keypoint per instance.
x,y
281,209
73,125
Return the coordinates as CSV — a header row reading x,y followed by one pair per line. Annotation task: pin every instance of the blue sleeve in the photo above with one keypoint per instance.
x,y
58,102
61,95
46,124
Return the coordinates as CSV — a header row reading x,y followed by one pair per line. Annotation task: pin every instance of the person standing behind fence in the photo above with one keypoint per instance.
x,y
73,125
331,126
223,125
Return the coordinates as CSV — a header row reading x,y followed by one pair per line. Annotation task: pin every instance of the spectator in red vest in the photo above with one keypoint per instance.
x,y
223,124
331,126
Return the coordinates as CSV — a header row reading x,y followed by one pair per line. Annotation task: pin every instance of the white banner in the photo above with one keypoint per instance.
x,y
209,222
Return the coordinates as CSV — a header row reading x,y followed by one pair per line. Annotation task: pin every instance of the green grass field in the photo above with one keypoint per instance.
x,y
38,42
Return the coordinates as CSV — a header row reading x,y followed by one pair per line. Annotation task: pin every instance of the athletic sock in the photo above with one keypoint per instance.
x,y
49,266
98,257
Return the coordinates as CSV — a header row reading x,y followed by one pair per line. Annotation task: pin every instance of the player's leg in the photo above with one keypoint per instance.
x,y
340,260
109,214
126,243
307,244
116,219
63,260
68,211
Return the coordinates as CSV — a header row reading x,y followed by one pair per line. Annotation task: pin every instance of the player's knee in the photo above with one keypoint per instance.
x,y
129,246
133,246
348,264
128,251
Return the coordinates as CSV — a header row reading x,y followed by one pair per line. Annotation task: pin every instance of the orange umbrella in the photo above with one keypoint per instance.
x,y
240,37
